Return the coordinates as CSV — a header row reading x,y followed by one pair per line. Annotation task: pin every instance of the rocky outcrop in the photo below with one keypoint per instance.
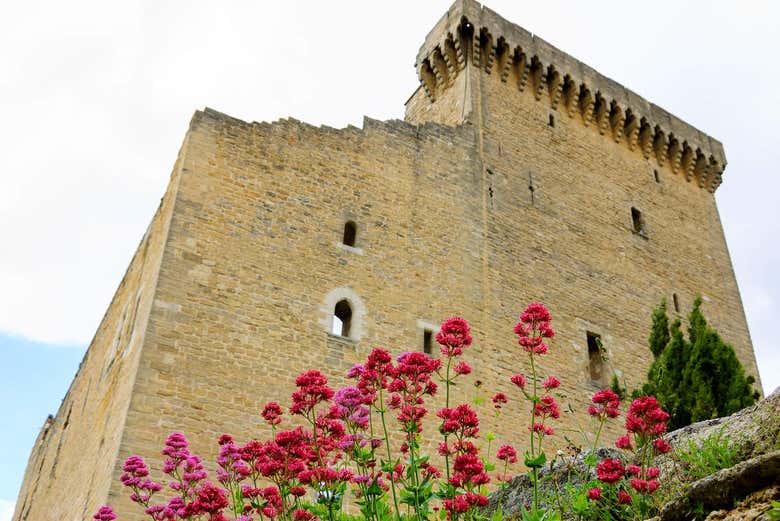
x,y
743,491
718,491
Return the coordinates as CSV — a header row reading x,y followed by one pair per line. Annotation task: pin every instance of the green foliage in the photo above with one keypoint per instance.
x,y
616,388
698,378
659,334
713,453
774,512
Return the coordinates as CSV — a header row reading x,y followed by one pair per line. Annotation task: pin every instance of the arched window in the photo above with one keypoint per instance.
x,y
350,233
342,318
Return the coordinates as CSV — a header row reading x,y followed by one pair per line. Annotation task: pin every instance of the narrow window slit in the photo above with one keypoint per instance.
x,y
427,341
350,233
638,222
595,358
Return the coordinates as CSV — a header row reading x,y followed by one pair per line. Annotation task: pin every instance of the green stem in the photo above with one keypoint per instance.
x,y
447,405
533,453
389,456
415,476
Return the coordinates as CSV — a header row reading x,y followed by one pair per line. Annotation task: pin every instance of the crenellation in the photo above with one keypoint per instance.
x,y
555,83
660,145
617,118
536,56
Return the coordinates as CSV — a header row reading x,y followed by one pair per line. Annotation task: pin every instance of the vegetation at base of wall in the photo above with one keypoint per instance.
x,y
702,458
697,378
341,446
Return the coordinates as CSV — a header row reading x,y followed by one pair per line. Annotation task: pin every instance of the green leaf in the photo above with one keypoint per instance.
x,y
580,504
591,459
535,462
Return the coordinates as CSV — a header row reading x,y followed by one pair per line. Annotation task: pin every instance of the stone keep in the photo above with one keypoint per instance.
x,y
518,174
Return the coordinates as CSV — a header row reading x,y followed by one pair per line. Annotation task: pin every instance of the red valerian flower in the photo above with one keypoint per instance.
x,y
645,417
547,407
272,413
535,313
462,368
661,446
135,478
498,399
594,494
507,453
210,500
607,404
634,470
542,429
444,449
644,486
462,421
624,498
551,383
609,471
624,442
468,469
303,515
533,327
105,513
454,335
518,380
312,389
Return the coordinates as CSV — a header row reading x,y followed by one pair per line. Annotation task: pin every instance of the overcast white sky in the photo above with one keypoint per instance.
x,y
96,98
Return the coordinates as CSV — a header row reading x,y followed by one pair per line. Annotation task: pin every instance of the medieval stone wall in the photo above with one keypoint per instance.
x,y
68,473
254,263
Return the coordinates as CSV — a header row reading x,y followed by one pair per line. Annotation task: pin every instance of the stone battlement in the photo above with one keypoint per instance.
x,y
291,125
472,33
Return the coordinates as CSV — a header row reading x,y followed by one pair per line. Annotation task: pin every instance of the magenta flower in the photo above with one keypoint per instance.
x,y
105,513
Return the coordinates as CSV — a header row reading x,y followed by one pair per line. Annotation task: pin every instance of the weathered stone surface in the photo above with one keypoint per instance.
x,y
518,493
752,508
720,490
752,431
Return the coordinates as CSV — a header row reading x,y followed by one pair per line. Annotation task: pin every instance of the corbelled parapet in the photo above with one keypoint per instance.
x,y
471,34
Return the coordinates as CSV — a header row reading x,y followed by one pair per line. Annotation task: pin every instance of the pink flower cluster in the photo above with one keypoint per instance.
x,y
454,335
646,423
533,328
606,404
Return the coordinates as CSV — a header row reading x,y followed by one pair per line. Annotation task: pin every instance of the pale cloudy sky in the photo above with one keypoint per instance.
x,y
96,97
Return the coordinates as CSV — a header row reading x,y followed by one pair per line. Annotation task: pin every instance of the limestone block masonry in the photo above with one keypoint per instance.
x,y
519,174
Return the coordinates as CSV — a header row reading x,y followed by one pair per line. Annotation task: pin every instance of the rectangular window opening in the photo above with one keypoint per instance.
x,y
427,341
595,358
676,303
551,121
638,222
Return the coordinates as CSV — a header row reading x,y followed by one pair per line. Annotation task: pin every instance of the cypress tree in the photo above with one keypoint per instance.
x,y
695,379
659,334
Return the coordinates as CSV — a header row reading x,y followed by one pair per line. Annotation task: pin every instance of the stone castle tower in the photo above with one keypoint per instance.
x,y
519,174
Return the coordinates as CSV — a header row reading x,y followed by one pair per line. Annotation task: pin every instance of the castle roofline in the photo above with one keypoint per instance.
x,y
471,32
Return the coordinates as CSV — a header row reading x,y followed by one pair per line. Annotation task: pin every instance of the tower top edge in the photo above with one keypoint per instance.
x,y
517,40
